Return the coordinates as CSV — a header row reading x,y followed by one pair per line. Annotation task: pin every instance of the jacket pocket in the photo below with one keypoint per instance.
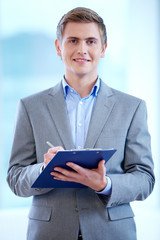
x,y
40,213
120,212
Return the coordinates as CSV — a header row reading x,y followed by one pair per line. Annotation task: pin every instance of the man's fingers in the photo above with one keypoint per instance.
x,y
51,153
101,167
64,174
67,173
101,164
93,178
54,150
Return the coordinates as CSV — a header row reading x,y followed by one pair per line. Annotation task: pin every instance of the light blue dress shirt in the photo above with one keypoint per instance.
x,y
79,111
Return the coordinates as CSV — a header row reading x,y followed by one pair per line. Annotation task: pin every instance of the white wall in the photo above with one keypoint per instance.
x,y
143,76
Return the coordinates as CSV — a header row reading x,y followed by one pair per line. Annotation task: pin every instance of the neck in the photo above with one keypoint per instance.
x,y
81,85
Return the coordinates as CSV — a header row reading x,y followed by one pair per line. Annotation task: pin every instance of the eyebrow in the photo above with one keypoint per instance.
x,y
89,38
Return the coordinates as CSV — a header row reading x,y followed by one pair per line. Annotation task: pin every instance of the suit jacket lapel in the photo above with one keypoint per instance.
x,y
57,109
102,109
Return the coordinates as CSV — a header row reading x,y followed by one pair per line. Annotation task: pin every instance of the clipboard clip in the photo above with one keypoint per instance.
x,y
86,149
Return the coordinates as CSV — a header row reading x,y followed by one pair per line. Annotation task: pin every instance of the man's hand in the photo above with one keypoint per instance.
x,y
50,154
93,178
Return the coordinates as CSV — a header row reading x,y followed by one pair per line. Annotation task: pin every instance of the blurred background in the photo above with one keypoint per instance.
x,y
28,64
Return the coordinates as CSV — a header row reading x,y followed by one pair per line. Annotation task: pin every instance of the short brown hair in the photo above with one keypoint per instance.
x,y
84,15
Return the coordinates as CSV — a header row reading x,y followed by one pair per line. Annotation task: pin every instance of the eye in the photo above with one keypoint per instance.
x,y
73,41
91,41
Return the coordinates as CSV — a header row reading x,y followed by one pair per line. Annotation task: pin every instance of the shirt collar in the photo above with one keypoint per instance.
x,y
94,91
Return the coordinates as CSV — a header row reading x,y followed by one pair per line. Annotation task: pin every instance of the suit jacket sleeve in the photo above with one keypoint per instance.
x,y
137,180
23,166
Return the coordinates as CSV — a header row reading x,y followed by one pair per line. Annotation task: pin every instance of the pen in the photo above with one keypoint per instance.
x,y
50,144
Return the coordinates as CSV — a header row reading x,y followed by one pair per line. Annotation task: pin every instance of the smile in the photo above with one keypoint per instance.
x,y
81,60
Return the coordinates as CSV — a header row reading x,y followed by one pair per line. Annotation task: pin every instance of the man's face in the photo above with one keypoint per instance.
x,y
80,49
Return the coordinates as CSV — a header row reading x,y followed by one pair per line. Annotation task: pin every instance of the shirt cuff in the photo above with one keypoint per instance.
x,y
108,188
41,169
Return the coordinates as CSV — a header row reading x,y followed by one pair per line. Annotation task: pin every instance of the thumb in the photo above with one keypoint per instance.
x,y
101,166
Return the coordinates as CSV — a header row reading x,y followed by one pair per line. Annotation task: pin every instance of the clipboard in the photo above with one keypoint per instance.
x,y
87,158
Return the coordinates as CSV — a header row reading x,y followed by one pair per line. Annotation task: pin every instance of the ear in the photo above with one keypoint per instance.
x,y
103,50
58,48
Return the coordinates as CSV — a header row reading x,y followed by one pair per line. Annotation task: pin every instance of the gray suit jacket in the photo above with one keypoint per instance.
x,y
118,121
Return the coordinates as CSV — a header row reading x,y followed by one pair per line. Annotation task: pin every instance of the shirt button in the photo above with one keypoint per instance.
x,y
81,102
79,124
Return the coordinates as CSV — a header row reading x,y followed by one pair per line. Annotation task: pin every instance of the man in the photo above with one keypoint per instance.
x,y
82,112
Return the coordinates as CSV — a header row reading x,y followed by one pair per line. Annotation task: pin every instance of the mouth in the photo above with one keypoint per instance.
x,y
81,60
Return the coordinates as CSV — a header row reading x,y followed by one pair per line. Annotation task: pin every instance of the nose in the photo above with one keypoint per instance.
x,y
82,48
